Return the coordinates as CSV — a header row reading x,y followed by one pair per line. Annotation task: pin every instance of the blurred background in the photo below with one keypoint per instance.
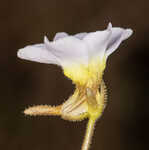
x,y
124,124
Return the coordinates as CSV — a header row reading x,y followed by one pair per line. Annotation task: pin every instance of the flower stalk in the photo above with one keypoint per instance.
x,y
93,117
88,134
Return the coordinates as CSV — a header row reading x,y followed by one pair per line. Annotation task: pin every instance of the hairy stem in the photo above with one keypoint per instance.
x,y
89,134
93,118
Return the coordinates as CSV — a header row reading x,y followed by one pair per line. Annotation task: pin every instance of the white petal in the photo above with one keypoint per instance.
x,y
118,35
47,43
109,26
60,35
69,50
80,35
37,53
97,42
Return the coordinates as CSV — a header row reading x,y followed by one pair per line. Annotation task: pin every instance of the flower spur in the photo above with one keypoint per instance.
x,y
83,59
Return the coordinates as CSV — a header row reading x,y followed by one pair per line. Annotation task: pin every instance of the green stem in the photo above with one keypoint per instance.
x,y
94,114
89,133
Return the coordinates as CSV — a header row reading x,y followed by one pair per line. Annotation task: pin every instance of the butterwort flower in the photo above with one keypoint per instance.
x,y
83,59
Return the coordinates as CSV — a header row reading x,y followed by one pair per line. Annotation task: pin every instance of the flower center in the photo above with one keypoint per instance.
x,y
86,75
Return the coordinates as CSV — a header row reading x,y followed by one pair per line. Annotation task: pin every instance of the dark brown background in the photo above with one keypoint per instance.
x,y
124,125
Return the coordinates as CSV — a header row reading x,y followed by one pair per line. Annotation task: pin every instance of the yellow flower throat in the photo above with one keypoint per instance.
x,y
87,99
